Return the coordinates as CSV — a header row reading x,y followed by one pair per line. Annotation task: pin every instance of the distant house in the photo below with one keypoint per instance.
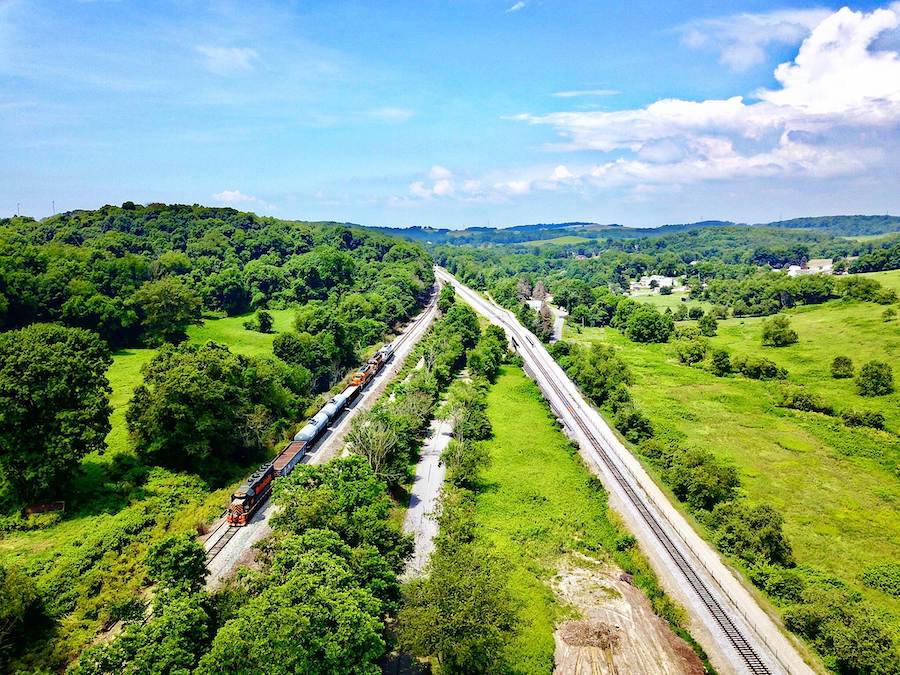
x,y
814,266
661,281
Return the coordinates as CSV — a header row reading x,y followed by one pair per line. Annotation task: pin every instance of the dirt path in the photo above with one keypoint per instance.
x,y
423,500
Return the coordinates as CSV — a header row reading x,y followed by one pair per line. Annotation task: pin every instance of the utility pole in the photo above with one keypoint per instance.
x,y
17,208
53,206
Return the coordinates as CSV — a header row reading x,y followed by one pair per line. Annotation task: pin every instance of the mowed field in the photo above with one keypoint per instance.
x,y
837,486
537,506
561,240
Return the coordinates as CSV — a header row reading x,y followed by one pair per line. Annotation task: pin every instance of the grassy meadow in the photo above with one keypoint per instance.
x,y
538,505
837,486
561,241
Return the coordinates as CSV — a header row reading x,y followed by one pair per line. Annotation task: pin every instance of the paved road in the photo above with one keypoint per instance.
x,y
737,634
423,499
238,548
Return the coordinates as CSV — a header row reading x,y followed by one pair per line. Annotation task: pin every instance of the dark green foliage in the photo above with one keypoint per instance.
x,y
446,298
263,321
875,378
758,368
777,332
490,351
19,605
598,370
707,325
720,363
695,312
841,367
201,405
462,612
177,562
166,308
889,314
124,272
885,577
54,406
851,636
863,418
633,424
866,289
754,534
171,642
700,480
691,351
647,324
798,398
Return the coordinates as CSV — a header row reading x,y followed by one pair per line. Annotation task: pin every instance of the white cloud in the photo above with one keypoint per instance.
x,y
836,112
238,198
516,7
228,60
391,114
741,39
586,92
437,172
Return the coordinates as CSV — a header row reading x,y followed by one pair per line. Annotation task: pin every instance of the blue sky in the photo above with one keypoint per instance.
x,y
451,114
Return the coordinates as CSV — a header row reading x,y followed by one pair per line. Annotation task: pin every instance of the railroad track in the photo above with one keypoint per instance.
x,y
229,531
741,644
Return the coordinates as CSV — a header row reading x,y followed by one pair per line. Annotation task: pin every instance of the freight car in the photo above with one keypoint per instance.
x,y
255,490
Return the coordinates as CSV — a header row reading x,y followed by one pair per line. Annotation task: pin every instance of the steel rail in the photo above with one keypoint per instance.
x,y
737,639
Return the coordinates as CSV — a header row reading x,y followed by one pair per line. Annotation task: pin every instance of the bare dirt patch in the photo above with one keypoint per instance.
x,y
617,631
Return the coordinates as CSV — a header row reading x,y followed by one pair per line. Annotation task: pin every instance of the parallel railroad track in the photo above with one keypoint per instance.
x,y
735,636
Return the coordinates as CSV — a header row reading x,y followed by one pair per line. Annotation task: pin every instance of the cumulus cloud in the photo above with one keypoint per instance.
x,y
742,39
835,110
227,60
238,198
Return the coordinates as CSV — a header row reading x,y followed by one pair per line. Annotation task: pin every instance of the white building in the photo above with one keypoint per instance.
x,y
661,281
814,266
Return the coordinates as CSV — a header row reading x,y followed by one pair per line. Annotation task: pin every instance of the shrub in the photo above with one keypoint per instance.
x,y
777,332
875,378
889,314
707,325
691,351
885,577
863,418
720,363
700,480
754,534
665,290
695,312
841,367
633,425
646,324
758,368
799,398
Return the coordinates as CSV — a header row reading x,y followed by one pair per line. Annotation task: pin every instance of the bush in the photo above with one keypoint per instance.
x,y
646,324
754,534
695,312
665,290
707,325
799,398
720,363
633,425
700,480
758,368
841,367
691,351
863,418
777,332
875,378
889,314
884,577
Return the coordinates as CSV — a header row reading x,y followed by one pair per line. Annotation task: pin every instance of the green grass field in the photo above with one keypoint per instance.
x,y
671,301
837,486
562,240
537,506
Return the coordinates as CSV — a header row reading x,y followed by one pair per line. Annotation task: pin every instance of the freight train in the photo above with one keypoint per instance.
x,y
254,491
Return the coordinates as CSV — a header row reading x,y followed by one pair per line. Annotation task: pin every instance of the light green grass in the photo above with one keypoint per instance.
x,y
837,486
230,331
561,240
671,301
538,505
